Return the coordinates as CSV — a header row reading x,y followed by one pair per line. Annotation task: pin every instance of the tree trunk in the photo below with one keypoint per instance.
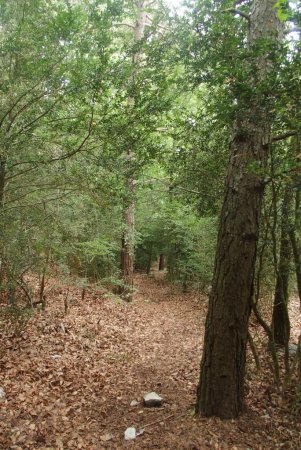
x,y
2,181
280,319
295,242
127,251
297,260
161,262
150,259
2,187
128,238
221,387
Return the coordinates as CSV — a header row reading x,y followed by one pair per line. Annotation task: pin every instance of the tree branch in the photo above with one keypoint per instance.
x,y
17,101
192,191
283,136
237,12
24,107
36,119
124,25
81,145
292,30
28,91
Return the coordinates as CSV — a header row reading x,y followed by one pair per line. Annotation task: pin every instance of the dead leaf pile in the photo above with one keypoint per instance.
x,y
70,379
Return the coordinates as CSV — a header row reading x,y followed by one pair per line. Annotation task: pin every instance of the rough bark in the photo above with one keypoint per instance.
x,y
280,319
221,387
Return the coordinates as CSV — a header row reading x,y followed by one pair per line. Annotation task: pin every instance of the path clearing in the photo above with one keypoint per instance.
x,y
70,379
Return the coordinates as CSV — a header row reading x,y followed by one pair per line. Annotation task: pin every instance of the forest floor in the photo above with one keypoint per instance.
x,y
70,378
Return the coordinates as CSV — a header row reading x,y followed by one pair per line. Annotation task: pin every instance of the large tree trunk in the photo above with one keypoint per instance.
x,y
128,238
280,319
221,387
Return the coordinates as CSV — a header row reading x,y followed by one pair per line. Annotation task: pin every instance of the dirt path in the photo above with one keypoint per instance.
x,y
70,378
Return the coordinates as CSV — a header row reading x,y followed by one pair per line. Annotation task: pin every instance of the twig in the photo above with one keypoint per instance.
x,y
160,420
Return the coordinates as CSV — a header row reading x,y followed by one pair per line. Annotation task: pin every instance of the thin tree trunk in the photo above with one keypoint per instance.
x,y
150,258
127,252
2,187
161,262
128,238
295,242
221,387
280,319
2,181
297,260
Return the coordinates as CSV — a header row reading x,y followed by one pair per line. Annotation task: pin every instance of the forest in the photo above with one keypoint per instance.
x,y
150,224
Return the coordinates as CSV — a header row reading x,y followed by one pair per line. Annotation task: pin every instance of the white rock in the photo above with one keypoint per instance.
x,y
130,433
134,403
152,399
2,394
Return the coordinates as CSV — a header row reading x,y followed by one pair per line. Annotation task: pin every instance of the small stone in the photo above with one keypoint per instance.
x,y
106,437
152,399
130,433
2,394
134,403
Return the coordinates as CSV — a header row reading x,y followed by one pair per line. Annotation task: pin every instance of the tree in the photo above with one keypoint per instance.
x,y
221,387
49,80
280,320
128,238
144,97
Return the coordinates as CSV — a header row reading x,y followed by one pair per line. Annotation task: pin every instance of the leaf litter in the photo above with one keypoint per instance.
x,y
69,380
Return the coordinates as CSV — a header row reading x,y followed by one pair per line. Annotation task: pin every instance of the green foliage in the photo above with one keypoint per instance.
x,y
166,226
67,73
190,248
